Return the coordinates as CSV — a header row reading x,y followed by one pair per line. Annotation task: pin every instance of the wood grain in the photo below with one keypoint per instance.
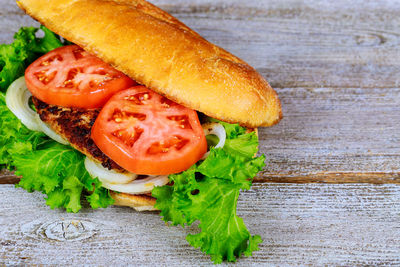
x,y
293,43
300,225
299,43
335,69
8,177
342,130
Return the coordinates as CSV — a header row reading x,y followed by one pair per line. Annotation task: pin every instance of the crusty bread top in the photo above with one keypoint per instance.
x,y
160,52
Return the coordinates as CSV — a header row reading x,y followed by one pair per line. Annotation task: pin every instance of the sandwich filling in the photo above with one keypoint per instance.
x,y
74,125
140,130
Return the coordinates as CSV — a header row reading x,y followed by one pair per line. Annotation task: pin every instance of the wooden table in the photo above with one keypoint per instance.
x,y
330,193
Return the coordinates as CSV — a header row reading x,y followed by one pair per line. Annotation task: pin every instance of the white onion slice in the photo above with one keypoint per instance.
x,y
108,176
215,129
17,100
139,186
50,132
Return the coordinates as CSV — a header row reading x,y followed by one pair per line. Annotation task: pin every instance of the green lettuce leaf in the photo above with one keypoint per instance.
x,y
59,171
15,57
232,130
208,192
54,169
245,145
222,165
15,138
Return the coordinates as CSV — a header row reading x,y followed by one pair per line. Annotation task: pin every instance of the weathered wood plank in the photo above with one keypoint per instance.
x,y
322,177
304,43
9,179
332,130
292,43
326,177
317,53
300,225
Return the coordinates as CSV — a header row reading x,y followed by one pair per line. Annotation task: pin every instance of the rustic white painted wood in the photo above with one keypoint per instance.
x,y
336,67
300,224
341,130
293,43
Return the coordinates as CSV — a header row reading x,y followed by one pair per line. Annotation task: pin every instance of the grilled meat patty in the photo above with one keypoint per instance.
x,y
74,125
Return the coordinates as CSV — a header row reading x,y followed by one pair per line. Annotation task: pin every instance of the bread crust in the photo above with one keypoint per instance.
x,y
162,53
137,202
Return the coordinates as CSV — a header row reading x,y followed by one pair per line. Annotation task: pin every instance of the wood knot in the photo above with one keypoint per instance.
x,y
64,230
370,39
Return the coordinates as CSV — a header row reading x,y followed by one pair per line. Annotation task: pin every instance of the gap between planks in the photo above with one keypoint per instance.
x,y
332,178
322,177
308,224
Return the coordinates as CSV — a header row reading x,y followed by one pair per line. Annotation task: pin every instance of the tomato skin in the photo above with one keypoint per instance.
x,y
148,136
70,77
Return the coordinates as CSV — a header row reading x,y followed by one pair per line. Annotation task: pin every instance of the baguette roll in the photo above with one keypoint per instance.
x,y
160,52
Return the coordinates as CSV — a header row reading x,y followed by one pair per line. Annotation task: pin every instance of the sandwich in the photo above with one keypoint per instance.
x,y
123,104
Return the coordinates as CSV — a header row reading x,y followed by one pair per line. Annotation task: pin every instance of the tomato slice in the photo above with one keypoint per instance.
x,y
71,77
146,133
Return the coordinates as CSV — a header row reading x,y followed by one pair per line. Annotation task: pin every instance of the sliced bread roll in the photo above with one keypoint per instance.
x,y
158,51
